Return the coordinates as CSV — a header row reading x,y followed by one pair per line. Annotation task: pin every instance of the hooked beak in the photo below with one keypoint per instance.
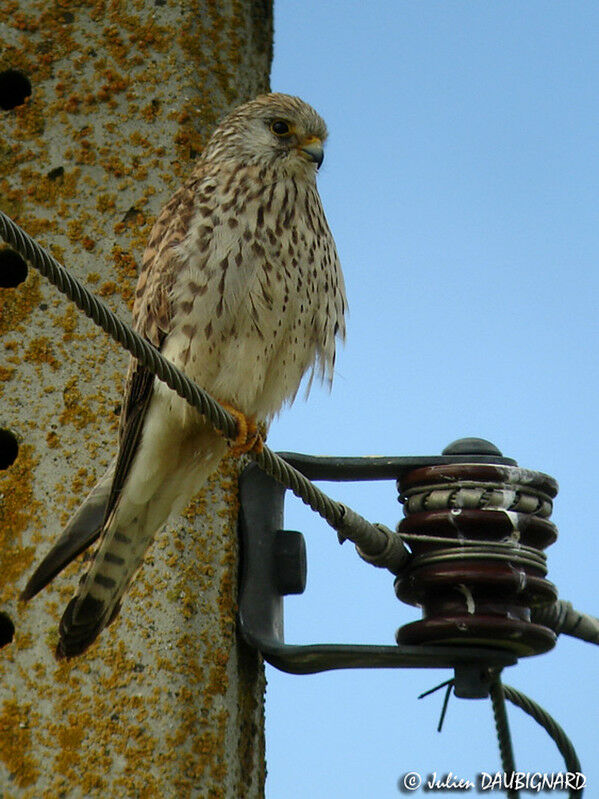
x,y
312,149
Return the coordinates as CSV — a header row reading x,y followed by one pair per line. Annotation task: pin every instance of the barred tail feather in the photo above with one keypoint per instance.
x,y
158,484
80,627
97,602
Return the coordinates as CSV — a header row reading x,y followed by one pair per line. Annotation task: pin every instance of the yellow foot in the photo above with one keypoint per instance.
x,y
249,437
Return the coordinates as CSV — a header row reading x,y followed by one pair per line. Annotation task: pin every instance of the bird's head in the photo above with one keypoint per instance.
x,y
275,130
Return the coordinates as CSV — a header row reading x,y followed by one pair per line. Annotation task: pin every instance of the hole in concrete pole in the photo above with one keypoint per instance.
x,y
15,86
7,629
13,268
9,448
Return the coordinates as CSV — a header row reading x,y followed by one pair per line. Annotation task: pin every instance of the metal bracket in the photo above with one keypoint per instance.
x,y
271,568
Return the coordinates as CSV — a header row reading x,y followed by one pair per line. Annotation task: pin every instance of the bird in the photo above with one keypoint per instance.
x,y
241,288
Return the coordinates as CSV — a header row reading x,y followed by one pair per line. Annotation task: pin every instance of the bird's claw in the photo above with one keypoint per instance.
x,y
249,436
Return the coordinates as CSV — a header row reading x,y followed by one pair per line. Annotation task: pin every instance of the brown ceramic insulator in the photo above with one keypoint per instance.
x,y
520,637
481,473
494,525
477,584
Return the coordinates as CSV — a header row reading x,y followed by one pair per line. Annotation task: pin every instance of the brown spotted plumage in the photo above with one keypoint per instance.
x,y
241,288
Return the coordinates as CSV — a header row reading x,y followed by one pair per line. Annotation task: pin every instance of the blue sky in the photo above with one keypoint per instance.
x,y
460,182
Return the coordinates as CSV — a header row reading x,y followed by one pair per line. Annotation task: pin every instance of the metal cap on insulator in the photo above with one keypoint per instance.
x,y
478,533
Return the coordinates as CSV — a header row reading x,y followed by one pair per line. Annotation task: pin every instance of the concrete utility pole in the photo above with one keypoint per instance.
x,y
167,703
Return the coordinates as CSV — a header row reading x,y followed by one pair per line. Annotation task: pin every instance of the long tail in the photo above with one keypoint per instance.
x,y
169,467
97,601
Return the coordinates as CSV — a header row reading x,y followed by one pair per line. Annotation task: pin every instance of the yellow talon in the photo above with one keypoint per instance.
x,y
249,438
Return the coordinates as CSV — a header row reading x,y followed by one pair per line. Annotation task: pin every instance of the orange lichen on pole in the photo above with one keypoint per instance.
x,y
19,511
16,722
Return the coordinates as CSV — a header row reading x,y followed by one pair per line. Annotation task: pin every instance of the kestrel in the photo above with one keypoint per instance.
x,y
240,288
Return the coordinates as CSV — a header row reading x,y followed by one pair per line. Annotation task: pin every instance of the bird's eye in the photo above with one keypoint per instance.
x,y
280,128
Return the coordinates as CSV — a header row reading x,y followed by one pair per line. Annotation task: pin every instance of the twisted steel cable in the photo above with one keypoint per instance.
x,y
499,693
564,619
504,738
379,544
550,725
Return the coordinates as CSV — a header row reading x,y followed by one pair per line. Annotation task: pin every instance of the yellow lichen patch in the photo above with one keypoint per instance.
x,y
126,269
30,118
105,202
52,440
77,410
12,201
74,229
68,738
16,304
16,722
227,599
25,640
47,189
57,251
68,321
196,508
18,509
218,680
6,373
107,289
81,481
40,351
